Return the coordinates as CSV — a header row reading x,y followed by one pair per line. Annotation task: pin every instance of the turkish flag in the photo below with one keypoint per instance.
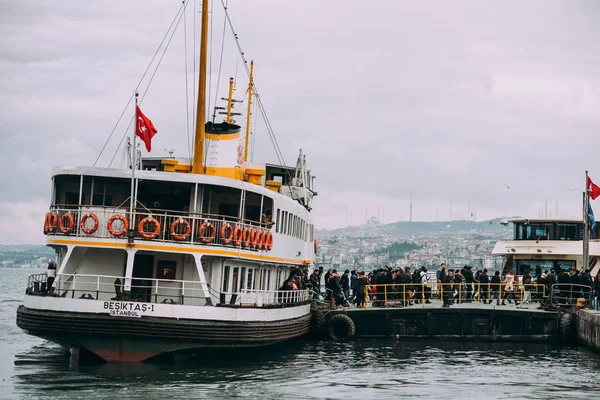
x,y
593,189
144,128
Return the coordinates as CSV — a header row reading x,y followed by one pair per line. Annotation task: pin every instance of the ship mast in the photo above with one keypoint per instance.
x,y
198,161
248,114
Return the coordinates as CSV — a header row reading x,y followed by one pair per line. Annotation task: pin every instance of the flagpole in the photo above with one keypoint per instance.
x,y
586,228
133,166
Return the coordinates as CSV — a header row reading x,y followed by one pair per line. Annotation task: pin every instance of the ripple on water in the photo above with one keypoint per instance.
x,y
365,369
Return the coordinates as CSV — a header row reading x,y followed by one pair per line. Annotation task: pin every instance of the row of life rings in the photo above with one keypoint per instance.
x,y
244,237
180,229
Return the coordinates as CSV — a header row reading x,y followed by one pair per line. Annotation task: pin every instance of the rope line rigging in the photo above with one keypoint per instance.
x,y
261,108
184,5
137,86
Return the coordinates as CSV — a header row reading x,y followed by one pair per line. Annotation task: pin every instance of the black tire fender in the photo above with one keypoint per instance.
x,y
566,325
340,327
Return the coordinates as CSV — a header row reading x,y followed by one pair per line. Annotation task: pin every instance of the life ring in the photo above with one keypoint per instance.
x,y
253,238
180,236
66,223
149,235
246,238
211,236
269,241
238,236
341,327
226,239
260,241
123,220
50,222
94,228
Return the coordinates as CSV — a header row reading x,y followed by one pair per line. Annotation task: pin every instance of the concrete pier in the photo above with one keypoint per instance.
x,y
588,328
464,322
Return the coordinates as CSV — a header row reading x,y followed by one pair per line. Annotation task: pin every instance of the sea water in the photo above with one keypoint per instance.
x,y
365,369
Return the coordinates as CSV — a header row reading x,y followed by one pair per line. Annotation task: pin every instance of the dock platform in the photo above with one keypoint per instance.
x,y
466,322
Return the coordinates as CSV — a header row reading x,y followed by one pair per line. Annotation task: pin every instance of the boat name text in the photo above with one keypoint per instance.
x,y
127,309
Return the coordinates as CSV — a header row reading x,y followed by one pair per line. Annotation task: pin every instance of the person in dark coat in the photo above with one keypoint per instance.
x,y
496,284
484,287
345,282
361,286
467,273
316,284
444,287
50,276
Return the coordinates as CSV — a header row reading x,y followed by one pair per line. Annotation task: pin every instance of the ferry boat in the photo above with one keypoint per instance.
x,y
545,243
174,255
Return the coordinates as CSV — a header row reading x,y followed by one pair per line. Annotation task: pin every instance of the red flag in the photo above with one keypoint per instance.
x,y
593,189
144,128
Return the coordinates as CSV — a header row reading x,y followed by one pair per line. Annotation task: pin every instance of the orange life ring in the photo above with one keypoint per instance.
x,y
254,238
123,230
260,240
238,236
50,222
149,220
94,228
64,228
246,238
226,239
211,236
180,236
269,241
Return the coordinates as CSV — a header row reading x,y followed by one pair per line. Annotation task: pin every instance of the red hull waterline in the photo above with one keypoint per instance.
x,y
123,356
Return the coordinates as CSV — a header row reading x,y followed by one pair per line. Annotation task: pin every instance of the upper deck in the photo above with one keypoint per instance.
x,y
193,209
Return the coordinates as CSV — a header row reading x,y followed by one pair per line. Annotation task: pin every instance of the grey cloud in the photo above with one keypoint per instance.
x,y
434,100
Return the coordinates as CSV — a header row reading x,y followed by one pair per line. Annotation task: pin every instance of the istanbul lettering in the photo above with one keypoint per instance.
x,y
127,309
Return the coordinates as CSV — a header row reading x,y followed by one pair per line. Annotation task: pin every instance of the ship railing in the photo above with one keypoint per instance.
x,y
264,298
36,283
452,293
570,295
159,225
151,290
109,287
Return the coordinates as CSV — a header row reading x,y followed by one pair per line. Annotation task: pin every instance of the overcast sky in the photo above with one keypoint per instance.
x,y
440,101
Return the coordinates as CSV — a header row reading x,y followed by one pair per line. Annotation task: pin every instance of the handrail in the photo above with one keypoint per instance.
x,y
56,207
153,290
202,229
458,293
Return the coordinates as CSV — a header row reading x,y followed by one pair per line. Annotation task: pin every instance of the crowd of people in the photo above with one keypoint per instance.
x,y
406,287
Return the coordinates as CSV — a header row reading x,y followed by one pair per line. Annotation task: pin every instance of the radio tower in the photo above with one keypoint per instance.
x,y
410,208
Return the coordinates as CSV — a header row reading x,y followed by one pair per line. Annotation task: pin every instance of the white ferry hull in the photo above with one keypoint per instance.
x,y
137,338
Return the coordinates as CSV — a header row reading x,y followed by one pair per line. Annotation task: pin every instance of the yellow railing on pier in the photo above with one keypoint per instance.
x,y
451,293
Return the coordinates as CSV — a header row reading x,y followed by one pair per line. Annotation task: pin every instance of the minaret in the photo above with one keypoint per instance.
x,y
410,208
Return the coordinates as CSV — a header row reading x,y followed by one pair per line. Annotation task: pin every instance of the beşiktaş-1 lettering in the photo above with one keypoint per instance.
x,y
127,309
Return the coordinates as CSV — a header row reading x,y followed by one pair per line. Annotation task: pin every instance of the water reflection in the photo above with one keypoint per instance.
x,y
301,369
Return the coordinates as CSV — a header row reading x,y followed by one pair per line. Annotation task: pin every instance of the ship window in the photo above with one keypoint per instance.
x,y
242,278
163,195
269,279
220,201
249,280
234,281
290,217
225,285
252,207
284,222
567,232
277,221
